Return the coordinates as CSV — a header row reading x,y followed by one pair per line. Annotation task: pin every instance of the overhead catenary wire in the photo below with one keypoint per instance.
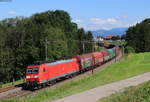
x,y
78,41
82,41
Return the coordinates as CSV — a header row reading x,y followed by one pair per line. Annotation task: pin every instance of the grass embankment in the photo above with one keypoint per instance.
x,y
140,93
134,64
117,42
12,83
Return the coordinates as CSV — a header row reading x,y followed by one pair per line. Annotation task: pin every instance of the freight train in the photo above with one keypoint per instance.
x,y
41,74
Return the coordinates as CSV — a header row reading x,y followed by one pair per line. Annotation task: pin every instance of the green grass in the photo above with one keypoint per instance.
x,y
11,83
117,42
134,64
140,93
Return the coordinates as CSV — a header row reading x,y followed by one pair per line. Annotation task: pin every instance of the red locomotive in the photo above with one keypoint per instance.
x,y
47,72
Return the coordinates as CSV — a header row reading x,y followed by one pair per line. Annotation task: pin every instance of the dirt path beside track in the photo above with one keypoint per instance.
x,y
93,95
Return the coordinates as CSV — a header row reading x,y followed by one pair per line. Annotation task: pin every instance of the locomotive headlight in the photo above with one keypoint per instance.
x,y
27,77
36,76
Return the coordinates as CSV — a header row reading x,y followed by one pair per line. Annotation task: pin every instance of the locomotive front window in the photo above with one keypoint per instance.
x,y
29,71
32,70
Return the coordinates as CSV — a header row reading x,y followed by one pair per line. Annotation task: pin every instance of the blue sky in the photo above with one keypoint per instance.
x,y
89,14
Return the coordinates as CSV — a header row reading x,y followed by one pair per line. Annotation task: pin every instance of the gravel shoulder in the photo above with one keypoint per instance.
x,y
95,94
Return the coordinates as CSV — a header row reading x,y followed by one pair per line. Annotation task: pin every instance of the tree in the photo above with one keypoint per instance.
x,y
116,37
57,44
90,44
138,36
23,41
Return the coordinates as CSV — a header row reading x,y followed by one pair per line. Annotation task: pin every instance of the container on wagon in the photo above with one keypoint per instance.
x,y
117,50
106,55
111,53
98,58
85,61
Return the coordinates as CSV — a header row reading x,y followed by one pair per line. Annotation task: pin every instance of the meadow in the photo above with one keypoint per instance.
x,y
140,93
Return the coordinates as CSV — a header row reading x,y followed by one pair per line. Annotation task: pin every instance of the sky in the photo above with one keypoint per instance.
x,y
89,14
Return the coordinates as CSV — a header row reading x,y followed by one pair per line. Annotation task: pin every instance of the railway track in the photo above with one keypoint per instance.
x,y
12,92
6,89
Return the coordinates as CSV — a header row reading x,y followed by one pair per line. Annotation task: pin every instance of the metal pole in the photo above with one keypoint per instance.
x,y
92,46
95,46
46,48
83,48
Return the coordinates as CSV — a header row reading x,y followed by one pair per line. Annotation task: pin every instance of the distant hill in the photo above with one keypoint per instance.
x,y
114,31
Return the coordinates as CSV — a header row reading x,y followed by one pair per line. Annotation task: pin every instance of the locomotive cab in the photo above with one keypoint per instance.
x,y
32,76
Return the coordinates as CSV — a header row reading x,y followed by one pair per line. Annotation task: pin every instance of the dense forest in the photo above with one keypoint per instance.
x,y
24,40
138,37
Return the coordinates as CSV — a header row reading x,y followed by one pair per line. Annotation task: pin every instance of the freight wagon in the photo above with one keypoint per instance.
x,y
98,58
85,61
111,53
105,55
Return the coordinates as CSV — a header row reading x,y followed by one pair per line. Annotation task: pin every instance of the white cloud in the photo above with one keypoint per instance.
x,y
108,23
81,23
12,12
103,21
124,16
133,24
92,27
121,17
77,21
111,21
97,21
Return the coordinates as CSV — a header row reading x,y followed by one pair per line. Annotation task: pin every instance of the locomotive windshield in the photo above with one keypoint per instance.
x,y
32,70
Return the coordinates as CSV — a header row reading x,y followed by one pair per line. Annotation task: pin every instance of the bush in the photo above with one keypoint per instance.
x,y
129,49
